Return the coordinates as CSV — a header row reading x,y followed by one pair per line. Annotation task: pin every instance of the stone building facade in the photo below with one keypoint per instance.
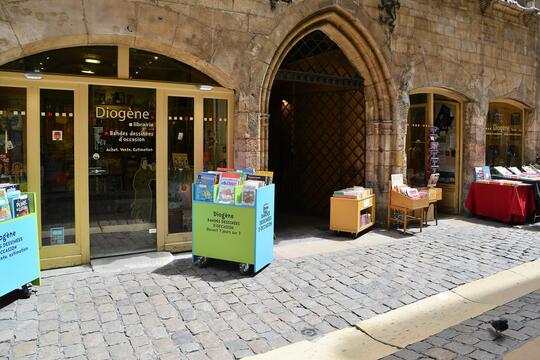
x,y
480,50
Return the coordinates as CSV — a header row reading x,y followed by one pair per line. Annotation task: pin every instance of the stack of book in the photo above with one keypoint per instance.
x,y
12,202
229,186
365,219
356,192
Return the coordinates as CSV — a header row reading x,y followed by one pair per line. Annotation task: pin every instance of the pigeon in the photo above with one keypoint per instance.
x,y
499,326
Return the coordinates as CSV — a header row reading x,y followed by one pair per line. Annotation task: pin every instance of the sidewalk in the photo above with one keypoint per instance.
x,y
473,339
182,312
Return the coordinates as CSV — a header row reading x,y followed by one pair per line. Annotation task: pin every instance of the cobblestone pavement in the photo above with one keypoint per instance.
x,y
181,311
473,339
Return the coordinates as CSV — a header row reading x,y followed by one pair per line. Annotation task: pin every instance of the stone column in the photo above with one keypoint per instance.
x,y
264,120
474,142
250,140
531,136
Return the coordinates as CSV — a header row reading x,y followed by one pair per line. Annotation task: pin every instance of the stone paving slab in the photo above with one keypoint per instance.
x,y
473,339
180,311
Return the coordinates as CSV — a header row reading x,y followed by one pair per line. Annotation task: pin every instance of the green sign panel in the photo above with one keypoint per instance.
x,y
224,232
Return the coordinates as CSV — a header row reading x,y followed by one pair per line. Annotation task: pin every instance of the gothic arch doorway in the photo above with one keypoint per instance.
x,y
317,128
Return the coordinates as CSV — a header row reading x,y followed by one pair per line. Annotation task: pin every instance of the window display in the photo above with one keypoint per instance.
x,y
180,162
431,142
215,134
122,172
57,167
504,135
13,136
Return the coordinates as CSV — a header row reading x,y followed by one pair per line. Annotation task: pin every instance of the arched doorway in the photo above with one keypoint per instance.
x,y
317,129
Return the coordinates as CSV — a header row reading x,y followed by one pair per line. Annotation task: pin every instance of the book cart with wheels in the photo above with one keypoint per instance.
x,y
236,233
401,209
19,253
346,214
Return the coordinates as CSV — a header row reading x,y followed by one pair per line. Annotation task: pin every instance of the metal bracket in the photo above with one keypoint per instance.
x,y
390,7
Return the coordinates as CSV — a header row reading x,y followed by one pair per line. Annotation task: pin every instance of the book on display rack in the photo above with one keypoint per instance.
x,y
230,186
13,203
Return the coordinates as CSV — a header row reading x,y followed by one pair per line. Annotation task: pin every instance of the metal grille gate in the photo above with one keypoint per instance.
x,y
317,126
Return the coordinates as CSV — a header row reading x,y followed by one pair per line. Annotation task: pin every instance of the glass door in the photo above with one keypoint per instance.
x,y
197,138
180,162
121,174
447,120
57,150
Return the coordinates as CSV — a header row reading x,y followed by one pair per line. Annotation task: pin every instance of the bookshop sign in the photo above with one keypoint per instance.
x,y
121,114
227,231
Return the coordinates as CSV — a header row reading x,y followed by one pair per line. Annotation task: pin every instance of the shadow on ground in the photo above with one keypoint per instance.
x,y
10,298
214,270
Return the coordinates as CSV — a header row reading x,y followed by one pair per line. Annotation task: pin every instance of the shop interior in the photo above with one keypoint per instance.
x,y
317,135
433,145
122,193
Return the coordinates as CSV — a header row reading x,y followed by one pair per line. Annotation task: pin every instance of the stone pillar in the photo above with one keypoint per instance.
x,y
474,142
531,136
250,140
264,123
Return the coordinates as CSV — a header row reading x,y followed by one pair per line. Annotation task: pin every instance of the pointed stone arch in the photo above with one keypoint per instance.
x,y
383,143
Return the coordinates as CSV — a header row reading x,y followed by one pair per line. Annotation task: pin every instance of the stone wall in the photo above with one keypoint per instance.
x,y
480,53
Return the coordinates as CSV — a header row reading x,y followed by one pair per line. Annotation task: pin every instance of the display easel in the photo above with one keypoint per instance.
x,y
19,260
345,214
237,233
401,204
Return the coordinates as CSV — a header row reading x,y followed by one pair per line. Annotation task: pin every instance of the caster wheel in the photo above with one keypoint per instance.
x,y
244,269
26,291
201,261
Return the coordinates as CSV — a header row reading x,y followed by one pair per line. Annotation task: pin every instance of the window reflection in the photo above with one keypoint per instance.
x,y
180,162
504,135
13,136
81,60
57,167
215,134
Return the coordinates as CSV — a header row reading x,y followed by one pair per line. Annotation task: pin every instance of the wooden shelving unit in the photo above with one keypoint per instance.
x,y
345,214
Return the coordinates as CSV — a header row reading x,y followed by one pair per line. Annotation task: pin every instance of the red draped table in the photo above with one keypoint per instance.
x,y
509,204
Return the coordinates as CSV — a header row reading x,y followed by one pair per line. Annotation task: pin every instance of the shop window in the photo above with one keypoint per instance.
x,y
432,139
122,158
82,60
57,167
215,134
13,136
504,135
151,66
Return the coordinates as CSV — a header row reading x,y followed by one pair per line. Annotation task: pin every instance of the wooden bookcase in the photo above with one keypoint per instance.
x,y
345,214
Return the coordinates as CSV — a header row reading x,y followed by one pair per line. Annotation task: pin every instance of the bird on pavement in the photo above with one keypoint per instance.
x,y
499,326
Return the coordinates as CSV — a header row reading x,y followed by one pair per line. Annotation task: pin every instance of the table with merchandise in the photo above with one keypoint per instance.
x,y
501,200
528,175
